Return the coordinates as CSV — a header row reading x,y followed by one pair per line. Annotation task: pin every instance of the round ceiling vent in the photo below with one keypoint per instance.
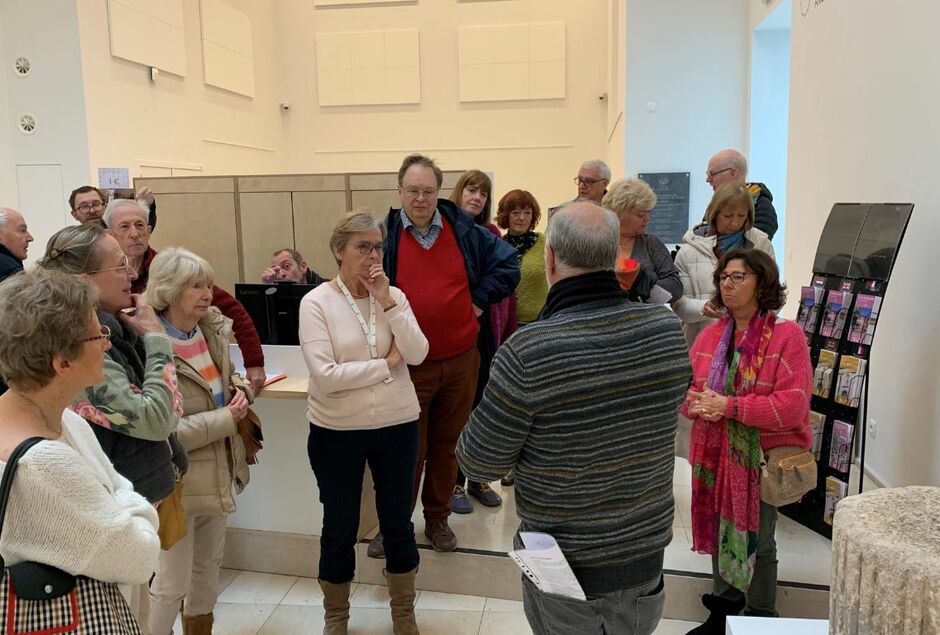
x,y
22,66
28,123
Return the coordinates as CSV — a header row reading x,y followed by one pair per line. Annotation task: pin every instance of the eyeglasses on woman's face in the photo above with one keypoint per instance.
x,y
105,335
365,248
123,267
736,277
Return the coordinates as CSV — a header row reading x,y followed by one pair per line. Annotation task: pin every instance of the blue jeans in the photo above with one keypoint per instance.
x,y
634,611
338,459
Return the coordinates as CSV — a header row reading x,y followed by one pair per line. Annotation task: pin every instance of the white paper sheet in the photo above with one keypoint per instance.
x,y
544,563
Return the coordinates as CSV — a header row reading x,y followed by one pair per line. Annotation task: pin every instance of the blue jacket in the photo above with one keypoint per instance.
x,y
492,264
9,264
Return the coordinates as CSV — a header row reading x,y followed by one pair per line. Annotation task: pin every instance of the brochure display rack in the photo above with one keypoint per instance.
x,y
839,313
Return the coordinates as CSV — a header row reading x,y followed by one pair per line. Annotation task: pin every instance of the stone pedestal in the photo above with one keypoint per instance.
x,y
886,563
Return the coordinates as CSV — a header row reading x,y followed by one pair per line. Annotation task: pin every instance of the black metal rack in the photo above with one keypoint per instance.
x,y
856,254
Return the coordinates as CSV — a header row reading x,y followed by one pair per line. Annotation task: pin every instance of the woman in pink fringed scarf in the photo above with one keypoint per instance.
x,y
751,391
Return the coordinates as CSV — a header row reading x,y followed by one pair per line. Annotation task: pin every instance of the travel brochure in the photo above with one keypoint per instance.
x,y
840,446
864,317
822,376
850,380
837,311
835,491
817,425
810,300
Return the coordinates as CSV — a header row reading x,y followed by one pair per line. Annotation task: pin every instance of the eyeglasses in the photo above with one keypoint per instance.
x,y
413,192
736,278
366,248
122,267
105,335
588,182
87,207
710,175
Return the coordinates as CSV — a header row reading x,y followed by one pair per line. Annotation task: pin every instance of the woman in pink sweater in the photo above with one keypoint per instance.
x,y
358,335
750,393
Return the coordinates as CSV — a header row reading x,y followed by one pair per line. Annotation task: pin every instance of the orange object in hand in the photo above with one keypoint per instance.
x,y
627,270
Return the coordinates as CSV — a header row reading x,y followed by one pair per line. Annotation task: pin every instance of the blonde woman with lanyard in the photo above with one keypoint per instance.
x,y
358,335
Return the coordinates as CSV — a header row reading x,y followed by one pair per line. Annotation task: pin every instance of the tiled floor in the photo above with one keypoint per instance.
x,y
804,555
264,604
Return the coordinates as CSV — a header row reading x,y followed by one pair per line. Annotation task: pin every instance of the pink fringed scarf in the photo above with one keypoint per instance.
x,y
726,457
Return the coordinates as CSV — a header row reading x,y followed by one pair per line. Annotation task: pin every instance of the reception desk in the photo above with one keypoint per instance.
x,y
277,524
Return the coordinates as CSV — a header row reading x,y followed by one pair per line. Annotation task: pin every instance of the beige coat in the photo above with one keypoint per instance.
x,y
216,451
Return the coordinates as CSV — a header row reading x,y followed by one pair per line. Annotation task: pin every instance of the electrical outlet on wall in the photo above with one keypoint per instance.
x,y
872,428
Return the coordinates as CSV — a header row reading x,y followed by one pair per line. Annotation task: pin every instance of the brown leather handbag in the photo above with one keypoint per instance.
x,y
172,518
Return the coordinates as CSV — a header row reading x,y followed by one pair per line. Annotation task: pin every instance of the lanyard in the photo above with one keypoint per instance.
x,y
368,331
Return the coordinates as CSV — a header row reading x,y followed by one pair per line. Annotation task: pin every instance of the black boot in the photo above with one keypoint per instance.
x,y
719,609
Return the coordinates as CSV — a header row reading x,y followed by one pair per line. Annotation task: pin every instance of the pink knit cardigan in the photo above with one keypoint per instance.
x,y
779,404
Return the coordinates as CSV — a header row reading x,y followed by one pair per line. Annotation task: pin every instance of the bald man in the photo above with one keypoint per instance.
x,y
730,166
14,242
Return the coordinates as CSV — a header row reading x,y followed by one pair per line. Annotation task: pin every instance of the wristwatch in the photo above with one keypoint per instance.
x,y
390,307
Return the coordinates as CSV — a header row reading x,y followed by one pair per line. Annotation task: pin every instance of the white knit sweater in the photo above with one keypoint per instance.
x,y
68,508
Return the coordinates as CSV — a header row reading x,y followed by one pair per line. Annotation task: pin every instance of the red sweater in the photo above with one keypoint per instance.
x,y
779,404
435,282
245,334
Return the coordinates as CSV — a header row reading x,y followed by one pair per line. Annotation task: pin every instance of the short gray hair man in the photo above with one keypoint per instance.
x,y
120,203
726,166
581,237
592,181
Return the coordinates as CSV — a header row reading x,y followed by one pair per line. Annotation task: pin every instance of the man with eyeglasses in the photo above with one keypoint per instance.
x,y
592,180
126,220
730,166
87,204
451,271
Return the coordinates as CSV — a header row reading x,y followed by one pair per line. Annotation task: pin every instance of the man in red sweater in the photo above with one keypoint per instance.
x,y
451,271
126,220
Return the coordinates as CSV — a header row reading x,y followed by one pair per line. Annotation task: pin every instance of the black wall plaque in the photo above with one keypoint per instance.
x,y
670,218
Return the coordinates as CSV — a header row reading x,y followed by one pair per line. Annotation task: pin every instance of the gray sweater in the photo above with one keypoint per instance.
x,y
583,407
653,254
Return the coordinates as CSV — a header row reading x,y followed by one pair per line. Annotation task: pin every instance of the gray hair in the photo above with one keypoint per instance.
x,y
627,194
123,202
44,314
74,249
599,165
172,270
583,243
4,216
351,223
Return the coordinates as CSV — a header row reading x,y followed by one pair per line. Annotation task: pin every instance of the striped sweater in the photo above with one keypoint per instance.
x,y
583,407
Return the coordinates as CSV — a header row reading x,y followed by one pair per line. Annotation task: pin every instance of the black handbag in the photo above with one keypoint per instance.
x,y
30,580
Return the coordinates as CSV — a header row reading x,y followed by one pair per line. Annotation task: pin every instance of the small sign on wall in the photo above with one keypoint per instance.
x,y
670,218
114,178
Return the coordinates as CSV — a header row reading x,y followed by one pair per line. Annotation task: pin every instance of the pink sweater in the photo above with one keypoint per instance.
x,y
779,404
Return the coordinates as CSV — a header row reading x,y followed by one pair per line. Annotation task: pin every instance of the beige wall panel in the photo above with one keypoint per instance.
x,y
315,213
376,201
292,183
204,224
267,224
389,181
187,185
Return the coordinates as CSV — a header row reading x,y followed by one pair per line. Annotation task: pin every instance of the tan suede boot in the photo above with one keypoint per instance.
x,y
335,607
197,624
401,593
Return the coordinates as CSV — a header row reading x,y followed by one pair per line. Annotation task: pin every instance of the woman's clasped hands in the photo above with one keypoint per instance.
x,y
707,404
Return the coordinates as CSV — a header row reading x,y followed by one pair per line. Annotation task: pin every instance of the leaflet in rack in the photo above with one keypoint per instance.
x,y
840,445
850,380
837,311
823,374
864,317
835,492
810,300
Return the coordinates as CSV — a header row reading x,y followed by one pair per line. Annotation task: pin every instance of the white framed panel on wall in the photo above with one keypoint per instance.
x,y
149,33
368,67
227,49
512,62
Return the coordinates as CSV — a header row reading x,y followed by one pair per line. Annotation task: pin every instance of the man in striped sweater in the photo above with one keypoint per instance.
x,y
582,405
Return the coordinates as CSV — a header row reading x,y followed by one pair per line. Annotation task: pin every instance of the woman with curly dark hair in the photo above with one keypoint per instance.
x,y
750,393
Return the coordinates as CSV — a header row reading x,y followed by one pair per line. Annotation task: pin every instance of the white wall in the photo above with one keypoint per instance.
x,y
617,86
690,58
133,119
534,145
57,154
8,191
864,127
769,106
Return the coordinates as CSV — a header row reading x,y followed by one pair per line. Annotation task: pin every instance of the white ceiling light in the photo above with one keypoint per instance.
x,y
28,123
22,66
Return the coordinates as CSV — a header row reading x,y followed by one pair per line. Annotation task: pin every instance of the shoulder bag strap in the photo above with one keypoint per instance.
x,y
8,472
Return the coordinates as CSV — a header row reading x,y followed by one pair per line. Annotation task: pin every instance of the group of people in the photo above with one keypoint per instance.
x,y
446,355
119,357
